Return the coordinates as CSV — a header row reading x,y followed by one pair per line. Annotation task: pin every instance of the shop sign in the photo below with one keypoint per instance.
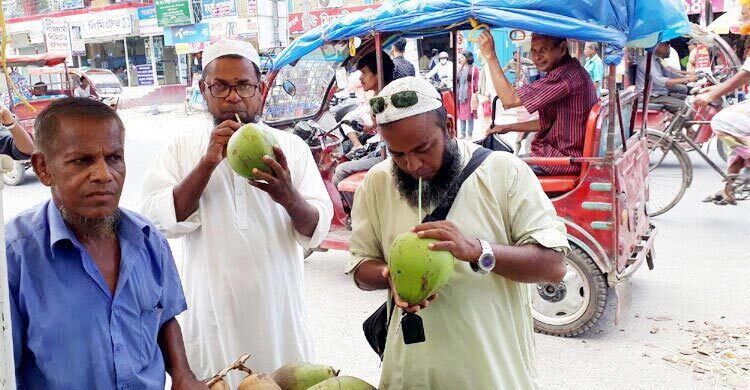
x,y
145,74
190,48
77,46
174,12
296,24
57,36
193,33
107,24
252,7
224,28
218,8
148,23
61,5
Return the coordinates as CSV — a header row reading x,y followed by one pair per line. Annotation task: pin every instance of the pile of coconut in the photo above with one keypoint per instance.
x,y
300,376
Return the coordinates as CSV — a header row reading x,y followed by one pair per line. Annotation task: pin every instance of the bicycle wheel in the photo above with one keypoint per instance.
x,y
670,173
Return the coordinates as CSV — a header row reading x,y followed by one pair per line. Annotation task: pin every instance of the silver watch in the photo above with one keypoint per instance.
x,y
11,125
486,262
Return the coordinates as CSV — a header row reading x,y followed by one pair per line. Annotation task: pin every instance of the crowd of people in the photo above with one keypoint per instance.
x,y
95,291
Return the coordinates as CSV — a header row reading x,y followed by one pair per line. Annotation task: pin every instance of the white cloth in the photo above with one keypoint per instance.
x,y
242,265
428,99
227,47
674,59
81,92
444,72
746,65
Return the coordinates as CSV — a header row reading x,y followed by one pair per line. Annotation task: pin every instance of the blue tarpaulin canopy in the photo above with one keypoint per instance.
x,y
617,23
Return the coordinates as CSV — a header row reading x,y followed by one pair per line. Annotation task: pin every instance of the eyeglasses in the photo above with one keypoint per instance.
x,y
221,91
401,99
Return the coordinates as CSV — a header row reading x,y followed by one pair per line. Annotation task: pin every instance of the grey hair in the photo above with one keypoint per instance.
x,y
47,123
592,45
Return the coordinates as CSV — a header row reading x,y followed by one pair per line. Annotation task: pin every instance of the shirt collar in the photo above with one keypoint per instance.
x,y
130,227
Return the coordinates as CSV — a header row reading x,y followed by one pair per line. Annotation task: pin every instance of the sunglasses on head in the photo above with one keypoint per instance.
x,y
401,99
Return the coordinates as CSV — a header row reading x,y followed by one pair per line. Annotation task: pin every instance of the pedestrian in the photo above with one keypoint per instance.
x,y
424,61
594,65
500,215
468,97
83,90
243,240
442,72
94,289
14,140
403,67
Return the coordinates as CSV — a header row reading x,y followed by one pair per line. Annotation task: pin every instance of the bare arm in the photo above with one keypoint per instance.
x,y
21,138
188,192
175,359
528,263
504,89
531,126
738,80
369,275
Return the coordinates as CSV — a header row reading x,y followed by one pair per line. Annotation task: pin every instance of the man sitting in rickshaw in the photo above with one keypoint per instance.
x,y
668,88
563,98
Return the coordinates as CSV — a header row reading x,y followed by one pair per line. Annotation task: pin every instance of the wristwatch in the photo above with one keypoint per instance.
x,y
486,262
3,126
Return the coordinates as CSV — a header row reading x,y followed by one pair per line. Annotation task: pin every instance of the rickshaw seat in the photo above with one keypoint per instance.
x,y
351,183
565,183
655,107
558,183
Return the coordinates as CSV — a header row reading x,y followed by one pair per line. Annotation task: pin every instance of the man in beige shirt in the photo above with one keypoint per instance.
x,y
479,330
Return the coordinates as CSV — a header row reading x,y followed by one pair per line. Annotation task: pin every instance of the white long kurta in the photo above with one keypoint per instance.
x,y
242,265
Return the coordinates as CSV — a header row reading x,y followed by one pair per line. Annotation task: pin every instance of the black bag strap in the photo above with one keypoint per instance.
x,y
441,212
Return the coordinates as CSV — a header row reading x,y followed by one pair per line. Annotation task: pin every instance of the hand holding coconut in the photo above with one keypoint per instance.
x,y
278,185
450,239
406,306
217,147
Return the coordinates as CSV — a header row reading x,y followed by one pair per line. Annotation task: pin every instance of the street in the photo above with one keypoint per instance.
x,y
701,266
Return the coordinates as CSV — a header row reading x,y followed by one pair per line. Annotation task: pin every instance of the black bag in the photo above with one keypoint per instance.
x,y
375,327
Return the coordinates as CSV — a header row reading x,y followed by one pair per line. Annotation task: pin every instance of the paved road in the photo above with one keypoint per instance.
x,y
703,253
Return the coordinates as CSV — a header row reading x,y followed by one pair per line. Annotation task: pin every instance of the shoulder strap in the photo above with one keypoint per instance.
x,y
441,212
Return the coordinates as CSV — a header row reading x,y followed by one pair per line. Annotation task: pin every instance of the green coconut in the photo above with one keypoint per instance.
x,y
302,376
417,271
246,149
343,383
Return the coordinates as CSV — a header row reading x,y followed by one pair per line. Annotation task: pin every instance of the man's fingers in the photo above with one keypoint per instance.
x,y
230,123
281,158
436,234
445,245
276,167
433,225
263,175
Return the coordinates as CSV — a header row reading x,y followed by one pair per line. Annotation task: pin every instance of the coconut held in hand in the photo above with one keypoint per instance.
x,y
246,149
417,271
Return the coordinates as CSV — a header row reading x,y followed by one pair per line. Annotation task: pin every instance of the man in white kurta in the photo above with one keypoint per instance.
x,y
479,329
242,265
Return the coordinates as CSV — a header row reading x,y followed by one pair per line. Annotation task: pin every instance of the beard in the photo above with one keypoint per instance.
x,y
102,227
435,191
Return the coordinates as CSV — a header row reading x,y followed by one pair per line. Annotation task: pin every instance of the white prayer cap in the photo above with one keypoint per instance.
x,y
428,99
227,47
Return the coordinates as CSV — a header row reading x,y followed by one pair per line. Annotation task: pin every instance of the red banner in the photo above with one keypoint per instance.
x,y
295,20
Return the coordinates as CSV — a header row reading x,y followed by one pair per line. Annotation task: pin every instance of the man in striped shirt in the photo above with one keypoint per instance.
x,y
563,98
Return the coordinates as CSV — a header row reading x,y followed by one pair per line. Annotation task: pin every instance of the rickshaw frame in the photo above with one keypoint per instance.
x,y
603,208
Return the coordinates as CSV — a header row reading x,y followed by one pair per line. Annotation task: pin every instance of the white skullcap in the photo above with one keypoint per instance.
x,y
227,47
428,99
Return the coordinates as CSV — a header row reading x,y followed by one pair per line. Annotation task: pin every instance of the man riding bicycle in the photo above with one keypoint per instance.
x,y
732,124
668,87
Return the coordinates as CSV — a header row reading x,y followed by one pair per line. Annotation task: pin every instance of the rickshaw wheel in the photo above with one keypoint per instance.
x,y
670,173
573,306
16,175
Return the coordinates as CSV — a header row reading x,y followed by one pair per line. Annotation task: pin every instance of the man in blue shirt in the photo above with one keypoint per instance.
x,y
93,287
594,65
663,81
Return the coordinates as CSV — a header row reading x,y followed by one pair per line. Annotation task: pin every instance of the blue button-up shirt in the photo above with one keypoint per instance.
x,y
69,332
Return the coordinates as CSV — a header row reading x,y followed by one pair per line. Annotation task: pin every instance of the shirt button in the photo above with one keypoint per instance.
x,y
118,347
125,387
